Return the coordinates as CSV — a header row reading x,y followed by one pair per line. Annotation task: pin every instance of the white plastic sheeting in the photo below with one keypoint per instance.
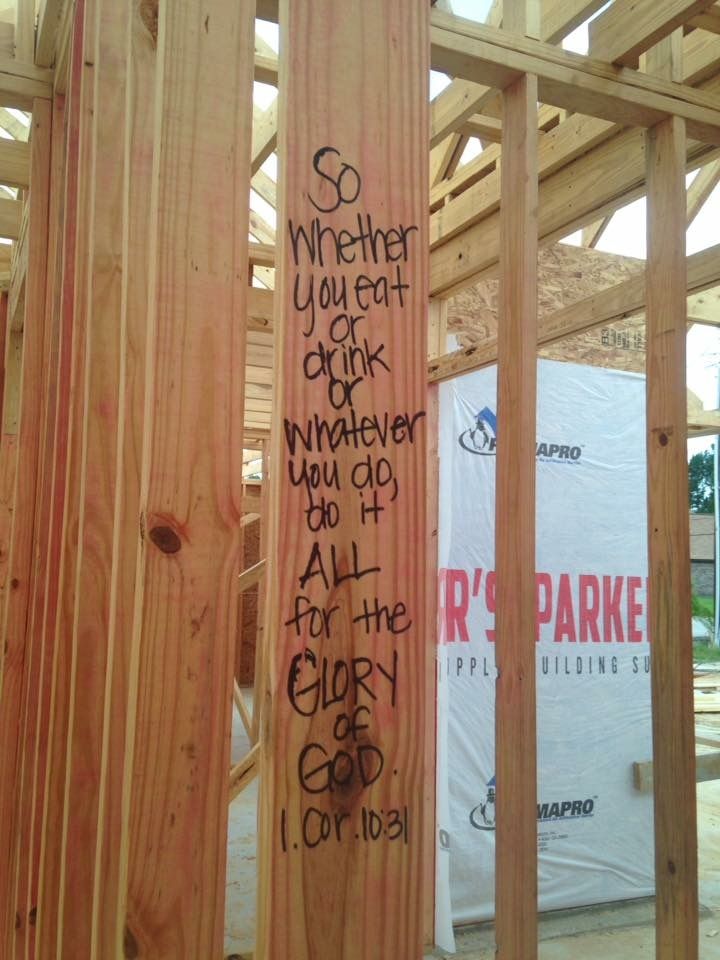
x,y
593,686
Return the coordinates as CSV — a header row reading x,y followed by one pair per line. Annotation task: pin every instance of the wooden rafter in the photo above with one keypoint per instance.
x,y
701,188
566,79
630,27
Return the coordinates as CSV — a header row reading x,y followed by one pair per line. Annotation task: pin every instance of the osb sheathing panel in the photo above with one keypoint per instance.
x,y
566,275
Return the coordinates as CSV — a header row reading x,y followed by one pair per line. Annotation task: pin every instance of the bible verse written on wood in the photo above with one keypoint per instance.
x,y
349,284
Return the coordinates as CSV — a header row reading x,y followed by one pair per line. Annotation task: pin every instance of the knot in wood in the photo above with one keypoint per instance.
x,y
148,11
131,950
165,539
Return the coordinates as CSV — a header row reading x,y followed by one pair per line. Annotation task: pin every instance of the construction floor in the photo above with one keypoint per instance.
x,y
606,932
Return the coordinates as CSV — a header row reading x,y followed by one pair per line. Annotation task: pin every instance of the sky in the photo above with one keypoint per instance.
x,y
625,235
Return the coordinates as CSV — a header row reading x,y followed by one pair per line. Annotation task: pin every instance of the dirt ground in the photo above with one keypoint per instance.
x,y
622,931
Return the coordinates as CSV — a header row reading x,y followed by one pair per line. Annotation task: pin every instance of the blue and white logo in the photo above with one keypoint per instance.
x,y
481,439
482,817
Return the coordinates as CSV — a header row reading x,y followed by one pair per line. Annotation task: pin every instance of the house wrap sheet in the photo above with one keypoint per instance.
x,y
595,833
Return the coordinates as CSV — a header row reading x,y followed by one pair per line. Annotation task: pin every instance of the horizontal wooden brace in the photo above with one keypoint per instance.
x,y
266,69
486,128
577,83
704,424
14,162
10,217
707,767
261,254
21,83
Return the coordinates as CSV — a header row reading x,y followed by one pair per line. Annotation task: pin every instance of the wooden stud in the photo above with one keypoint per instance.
x,y
191,485
59,619
23,523
92,649
38,655
314,901
515,721
676,879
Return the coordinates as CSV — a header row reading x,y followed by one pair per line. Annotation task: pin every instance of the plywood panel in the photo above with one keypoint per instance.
x,y
343,778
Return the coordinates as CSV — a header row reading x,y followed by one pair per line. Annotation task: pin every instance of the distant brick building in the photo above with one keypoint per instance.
x,y
702,553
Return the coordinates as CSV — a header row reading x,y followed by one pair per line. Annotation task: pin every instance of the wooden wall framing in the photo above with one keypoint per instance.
x,y
138,362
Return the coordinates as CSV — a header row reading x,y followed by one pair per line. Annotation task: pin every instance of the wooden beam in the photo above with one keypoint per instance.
x,y
561,17
75,280
700,189
191,490
707,767
475,52
264,136
516,770
630,27
350,878
266,69
10,218
265,187
244,772
676,917
486,128
705,424
261,254
445,157
39,647
49,17
14,163
25,30
453,106
12,641
708,20
702,61
600,181
21,83
591,235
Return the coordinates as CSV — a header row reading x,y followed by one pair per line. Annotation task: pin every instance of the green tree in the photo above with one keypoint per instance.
x,y
700,482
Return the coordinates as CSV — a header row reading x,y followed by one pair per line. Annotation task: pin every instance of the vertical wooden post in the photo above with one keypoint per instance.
x,y
437,340
515,721
110,894
185,628
60,613
35,696
343,777
92,640
23,521
676,901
